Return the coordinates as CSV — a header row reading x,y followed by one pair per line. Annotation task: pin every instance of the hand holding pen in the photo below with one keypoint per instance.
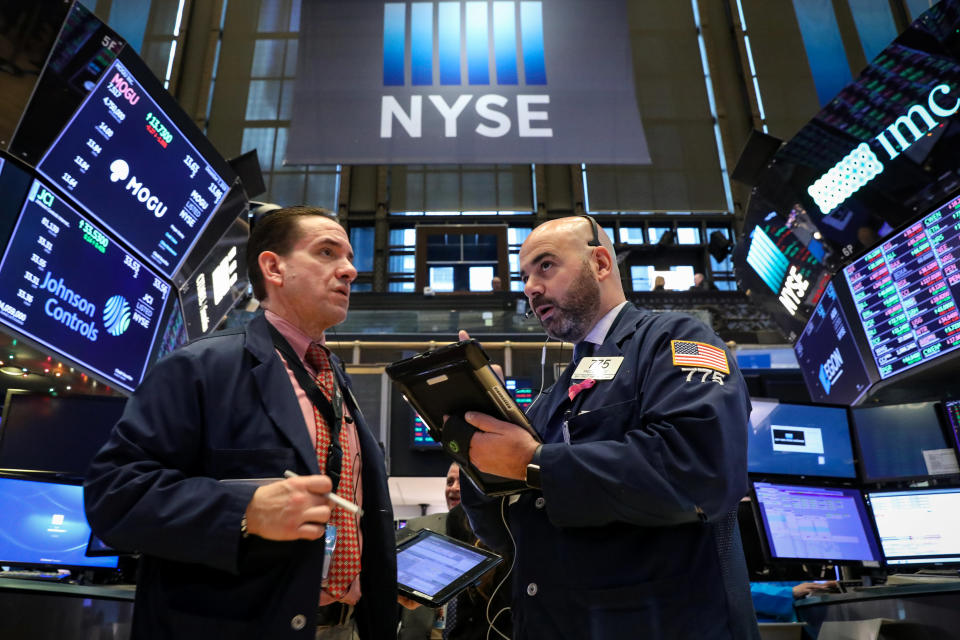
x,y
298,508
332,497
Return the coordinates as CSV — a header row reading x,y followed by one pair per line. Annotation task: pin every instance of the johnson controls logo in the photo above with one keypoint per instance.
x,y
120,171
116,315
471,44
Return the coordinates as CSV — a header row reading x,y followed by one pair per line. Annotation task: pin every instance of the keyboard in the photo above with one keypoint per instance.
x,y
50,576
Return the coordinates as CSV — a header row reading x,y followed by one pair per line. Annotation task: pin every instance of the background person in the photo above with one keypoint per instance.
x,y
233,559
631,526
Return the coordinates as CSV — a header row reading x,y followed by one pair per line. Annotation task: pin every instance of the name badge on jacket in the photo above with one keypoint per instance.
x,y
597,368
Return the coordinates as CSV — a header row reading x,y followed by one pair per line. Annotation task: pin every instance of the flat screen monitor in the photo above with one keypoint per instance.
x,y
828,355
918,526
210,292
522,391
44,525
906,291
951,408
131,167
827,524
902,442
68,286
59,434
173,333
420,437
799,440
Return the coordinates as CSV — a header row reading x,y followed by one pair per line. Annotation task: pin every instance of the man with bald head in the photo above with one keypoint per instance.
x,y
629,527
193,475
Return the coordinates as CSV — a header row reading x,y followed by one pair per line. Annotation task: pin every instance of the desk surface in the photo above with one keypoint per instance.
x,y
882,591
110,592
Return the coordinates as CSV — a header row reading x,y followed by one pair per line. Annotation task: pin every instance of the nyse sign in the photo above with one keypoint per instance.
x,y
490,114
465,81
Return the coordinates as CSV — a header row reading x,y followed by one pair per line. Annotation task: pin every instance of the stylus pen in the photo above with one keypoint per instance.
x,y
334,498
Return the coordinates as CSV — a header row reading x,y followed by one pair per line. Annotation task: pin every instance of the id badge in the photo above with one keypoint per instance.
x,y
331,544
597,368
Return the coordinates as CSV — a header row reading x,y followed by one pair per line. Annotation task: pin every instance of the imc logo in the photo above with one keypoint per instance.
x,y
460,40
469,44
116,315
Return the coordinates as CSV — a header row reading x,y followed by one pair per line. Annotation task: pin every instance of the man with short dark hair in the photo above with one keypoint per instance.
x,y
193,473
629,529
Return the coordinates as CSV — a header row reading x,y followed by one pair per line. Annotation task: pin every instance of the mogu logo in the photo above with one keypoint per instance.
x,y
119,171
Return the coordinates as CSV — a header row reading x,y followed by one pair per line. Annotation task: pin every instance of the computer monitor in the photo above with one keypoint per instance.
x,y
951,408
799,440
44,525
103,129
420,437
829,356
918,526
815,523
904,293
521,389
901,442
212,290
57,434
68,286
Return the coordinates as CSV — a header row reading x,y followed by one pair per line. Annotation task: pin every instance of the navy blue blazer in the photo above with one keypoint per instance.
x,y
634,533
223,407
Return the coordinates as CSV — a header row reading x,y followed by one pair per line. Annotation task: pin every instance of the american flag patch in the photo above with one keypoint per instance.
x,y
699,354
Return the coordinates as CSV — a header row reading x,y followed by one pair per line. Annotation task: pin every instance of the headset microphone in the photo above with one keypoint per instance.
x,y
528,313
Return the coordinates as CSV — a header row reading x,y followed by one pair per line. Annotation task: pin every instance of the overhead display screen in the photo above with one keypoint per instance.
x,y
828,355
68,286
905,292
130,167
210,293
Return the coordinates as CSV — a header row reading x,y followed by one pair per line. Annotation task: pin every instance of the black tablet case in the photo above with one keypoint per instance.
x,y
450,381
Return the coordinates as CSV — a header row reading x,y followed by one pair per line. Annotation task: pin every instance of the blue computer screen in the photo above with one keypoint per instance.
x,y
67,285
43,523
919,526
796,439
815,523
828,355
902,441
129,165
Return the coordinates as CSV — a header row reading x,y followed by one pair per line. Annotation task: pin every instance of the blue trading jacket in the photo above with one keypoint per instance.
x,y
634,533
222,407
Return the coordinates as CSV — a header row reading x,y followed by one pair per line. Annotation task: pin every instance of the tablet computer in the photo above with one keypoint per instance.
x,y
432,568
450,381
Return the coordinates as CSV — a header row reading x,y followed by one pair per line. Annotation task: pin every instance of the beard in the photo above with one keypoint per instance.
x,y
574,314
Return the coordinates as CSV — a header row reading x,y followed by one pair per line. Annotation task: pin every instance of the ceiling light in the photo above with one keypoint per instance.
x,y
11,371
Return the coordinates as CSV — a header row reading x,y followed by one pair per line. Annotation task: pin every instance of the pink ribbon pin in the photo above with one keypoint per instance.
x,y
580,386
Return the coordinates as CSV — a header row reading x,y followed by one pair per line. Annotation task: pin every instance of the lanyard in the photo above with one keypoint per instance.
x,y
332,412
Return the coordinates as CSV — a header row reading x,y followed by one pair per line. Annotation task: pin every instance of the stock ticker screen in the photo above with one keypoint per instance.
x,y
130,167
828,355
66,285
905,292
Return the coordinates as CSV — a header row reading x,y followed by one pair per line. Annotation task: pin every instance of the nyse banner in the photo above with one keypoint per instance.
x,y
504,81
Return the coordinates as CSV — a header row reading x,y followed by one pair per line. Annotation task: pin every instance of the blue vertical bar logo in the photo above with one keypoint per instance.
x,y
767,260
482,42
